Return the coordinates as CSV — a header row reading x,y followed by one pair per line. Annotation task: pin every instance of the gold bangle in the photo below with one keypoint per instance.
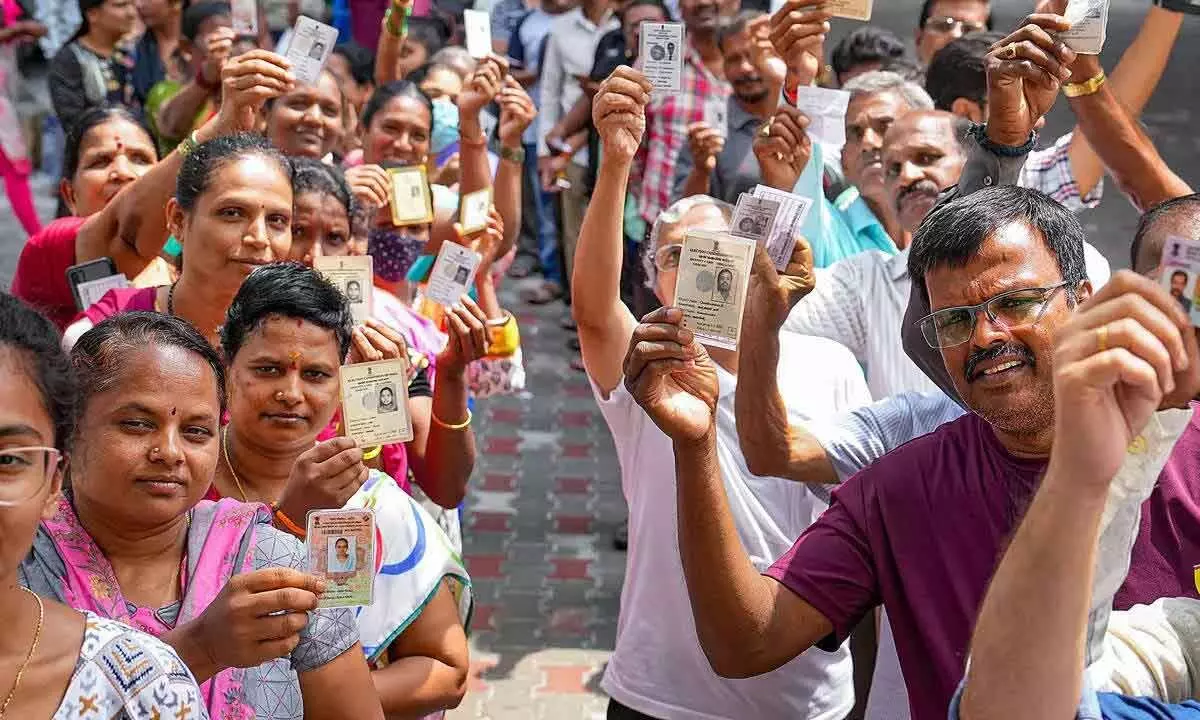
x,y
460,426
504,336
1087,87
189,145
287,522
372,453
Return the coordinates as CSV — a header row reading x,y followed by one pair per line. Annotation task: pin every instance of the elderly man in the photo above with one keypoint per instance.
x,y
657,669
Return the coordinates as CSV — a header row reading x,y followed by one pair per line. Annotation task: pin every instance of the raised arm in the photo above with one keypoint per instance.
x,y
1123,352
481,88
517,113
177,115
747,623
125,230
391,40
605,324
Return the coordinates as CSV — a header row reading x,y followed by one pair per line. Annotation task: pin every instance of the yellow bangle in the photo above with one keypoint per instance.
x,y
372,453
504,336
460,426
1087,87
287,522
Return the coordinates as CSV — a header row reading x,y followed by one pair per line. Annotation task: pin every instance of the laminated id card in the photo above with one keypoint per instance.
x,y
341,549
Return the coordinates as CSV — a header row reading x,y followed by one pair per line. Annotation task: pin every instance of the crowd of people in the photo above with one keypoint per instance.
x,y
949,469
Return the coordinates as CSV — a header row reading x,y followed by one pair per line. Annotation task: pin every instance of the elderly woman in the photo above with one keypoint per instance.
x,y
284,339
132,541
60,657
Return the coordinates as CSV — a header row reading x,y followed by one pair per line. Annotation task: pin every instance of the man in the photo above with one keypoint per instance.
x,y
155,50
943,21
718,161
657,669
867,48
1179,283
669,115
570,49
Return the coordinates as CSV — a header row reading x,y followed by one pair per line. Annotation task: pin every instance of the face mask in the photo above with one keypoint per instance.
x,y
394,251
445,124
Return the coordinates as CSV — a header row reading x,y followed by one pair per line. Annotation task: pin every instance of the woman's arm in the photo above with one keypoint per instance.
x,y
517,112
341,688
481,88
428,663
178,114
391,40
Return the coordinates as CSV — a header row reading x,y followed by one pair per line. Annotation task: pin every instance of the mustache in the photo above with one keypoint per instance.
x,y
920,187
992,352
745,80
869,157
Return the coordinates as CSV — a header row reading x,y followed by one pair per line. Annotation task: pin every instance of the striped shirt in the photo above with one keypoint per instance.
x,y
1049,172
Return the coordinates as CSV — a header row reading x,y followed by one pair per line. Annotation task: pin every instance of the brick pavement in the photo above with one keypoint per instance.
x,y
542,508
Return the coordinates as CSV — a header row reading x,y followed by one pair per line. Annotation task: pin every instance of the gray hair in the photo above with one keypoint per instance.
x,y
878,81
456,58
667,220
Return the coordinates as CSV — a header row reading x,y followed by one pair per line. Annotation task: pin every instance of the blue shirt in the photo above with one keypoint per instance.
x,y
525,46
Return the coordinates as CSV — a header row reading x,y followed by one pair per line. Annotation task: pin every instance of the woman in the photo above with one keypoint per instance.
x,y
132,541
232,212
284,339
15,28
61,657
94,68
308,121
109,151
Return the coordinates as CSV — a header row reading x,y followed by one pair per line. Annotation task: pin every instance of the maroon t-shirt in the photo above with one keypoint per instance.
x,y
922,530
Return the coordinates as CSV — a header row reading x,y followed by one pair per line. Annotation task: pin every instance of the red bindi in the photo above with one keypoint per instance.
x,y
173,412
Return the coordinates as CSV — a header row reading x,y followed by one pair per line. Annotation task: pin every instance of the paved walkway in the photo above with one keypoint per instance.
x,y
543,506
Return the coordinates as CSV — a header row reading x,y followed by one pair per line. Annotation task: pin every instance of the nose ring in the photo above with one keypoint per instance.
x,y
279,395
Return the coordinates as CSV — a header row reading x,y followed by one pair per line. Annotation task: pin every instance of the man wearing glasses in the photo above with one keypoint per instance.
x,y
943,21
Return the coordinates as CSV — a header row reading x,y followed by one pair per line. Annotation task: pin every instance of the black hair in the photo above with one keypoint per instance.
x,y
953,231
91,118
728,27
429,33
290,290
1165,210
927,8
360,60
99,353
195,15
202,163
866,44
1177,273
646,3
312,175
384,94
957,70
84,25
36,342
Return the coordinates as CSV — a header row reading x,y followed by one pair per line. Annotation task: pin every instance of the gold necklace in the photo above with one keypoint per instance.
x,y
37,635
236,479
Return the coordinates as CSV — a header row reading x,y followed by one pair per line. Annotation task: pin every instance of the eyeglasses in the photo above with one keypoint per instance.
x,y
666,258
24,472
947,24
1017,308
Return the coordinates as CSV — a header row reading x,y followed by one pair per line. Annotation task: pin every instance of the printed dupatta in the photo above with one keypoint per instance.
x,y
216,534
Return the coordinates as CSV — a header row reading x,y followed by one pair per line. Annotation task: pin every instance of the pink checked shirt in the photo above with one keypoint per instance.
x,y
667,119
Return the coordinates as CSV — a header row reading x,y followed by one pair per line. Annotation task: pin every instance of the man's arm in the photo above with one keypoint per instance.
x,y
605,324
551,89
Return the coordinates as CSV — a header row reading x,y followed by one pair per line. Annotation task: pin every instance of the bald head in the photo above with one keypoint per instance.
x,y
1179,217
922,156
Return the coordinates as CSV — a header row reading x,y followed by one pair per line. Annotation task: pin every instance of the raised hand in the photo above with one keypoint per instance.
x,y
706,144
798,30
247,82
783,148
765,58
619,112
517,112
771,294
325,476
370,185
1128,350
483,86
374,341
217,46
671,376
1024,72
466,324
486,242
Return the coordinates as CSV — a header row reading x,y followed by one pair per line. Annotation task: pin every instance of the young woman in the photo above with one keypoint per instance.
x,y
232,213
133,542
93,68
109,150
60,658
284,339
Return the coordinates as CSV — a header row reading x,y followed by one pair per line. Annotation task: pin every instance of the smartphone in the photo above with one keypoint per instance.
x,y
86,272
1191,7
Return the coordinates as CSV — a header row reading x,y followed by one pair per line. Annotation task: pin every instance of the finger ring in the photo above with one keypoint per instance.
x,y
1010,52
1102,337
766,129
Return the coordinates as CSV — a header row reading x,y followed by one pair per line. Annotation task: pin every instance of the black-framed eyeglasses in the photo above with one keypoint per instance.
x,y
24,472
948,24
953,326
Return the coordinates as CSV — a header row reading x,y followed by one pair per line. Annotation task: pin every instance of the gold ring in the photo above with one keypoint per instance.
x,y
766,129
1102,338
1010,52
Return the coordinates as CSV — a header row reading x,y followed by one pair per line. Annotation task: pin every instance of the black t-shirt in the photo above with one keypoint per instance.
x,y
419,386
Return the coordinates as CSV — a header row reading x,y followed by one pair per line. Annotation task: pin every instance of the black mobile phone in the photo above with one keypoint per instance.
x,y
86,272
1191,7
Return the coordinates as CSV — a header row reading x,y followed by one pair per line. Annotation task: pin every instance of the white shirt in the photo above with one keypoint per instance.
x,y
658,667
860,301
570,51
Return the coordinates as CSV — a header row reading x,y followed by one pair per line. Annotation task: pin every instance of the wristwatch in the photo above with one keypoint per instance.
x,y
516,155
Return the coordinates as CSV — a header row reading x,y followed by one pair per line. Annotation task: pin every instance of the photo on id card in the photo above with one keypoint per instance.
x,y
1180,268
310,46
375,402
754,217
354,275
452,274
412,200
341,549
714,272
473,215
